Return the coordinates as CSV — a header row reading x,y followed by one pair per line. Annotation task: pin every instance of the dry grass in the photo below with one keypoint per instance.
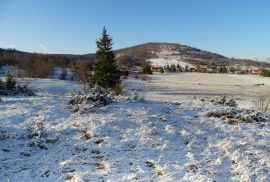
x,y
262,103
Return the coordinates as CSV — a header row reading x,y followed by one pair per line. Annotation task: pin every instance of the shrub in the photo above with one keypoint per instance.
x,y
222,100
24,90
2,84
147,69
237,115
2,87
262,103
10,82
162,70
173,68
266,73
94,98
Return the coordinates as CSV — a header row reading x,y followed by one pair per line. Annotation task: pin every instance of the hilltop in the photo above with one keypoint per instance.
x,y
137,55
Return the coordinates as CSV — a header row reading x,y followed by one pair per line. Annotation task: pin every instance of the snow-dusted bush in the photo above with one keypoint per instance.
x,y
2,84
10,82
24,90
237,115
221,100
98,97
40,124
2,88
225,100
37,134
262,103
95,97
10,87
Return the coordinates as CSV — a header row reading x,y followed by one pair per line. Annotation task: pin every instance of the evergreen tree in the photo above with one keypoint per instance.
x,y
223,69
266,73
10,82
106,74
147,69
172,68
2,85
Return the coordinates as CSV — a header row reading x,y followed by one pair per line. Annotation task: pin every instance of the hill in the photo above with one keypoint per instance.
x,y
156,53
161,53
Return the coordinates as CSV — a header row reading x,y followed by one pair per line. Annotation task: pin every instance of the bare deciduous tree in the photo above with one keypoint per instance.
x,y
262,103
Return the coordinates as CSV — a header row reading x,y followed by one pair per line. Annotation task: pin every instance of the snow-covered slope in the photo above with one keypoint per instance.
x,y
161,62
127,141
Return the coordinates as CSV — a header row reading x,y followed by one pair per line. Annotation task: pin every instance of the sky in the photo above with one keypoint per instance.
x,y
234,28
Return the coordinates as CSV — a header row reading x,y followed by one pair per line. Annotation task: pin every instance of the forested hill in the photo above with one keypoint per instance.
x,y
131,56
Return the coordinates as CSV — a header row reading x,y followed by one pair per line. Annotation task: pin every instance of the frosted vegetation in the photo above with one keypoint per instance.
x,y
176,127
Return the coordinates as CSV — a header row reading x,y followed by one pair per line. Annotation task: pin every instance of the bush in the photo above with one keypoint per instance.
x,y
2,87
173,68
10,88
24,90
236,115
147,69
10,82
162,70
266,73
2,84
95,97
221,100
262,103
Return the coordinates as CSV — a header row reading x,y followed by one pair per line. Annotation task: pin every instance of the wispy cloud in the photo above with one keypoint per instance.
x,y
43,46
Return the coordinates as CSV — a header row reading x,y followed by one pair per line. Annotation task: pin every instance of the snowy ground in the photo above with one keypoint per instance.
x,y
165,58
152,140
184,86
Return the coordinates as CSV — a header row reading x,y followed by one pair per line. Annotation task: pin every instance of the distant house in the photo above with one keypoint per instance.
x,y
256,71
203,69
193,69
156,68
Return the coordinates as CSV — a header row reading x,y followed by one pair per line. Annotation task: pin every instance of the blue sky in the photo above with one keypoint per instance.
x,y
234,28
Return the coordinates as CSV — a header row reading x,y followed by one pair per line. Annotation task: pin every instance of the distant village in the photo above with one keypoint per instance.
x,y
68,73
237,69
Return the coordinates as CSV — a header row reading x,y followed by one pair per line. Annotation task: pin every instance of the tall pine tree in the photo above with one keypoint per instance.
x,y
106,73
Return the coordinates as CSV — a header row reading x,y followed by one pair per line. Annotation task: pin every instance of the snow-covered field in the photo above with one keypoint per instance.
x,y
184,86
151,140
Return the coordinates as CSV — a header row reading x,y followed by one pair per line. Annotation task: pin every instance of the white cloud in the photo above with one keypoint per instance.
x,y
43,46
